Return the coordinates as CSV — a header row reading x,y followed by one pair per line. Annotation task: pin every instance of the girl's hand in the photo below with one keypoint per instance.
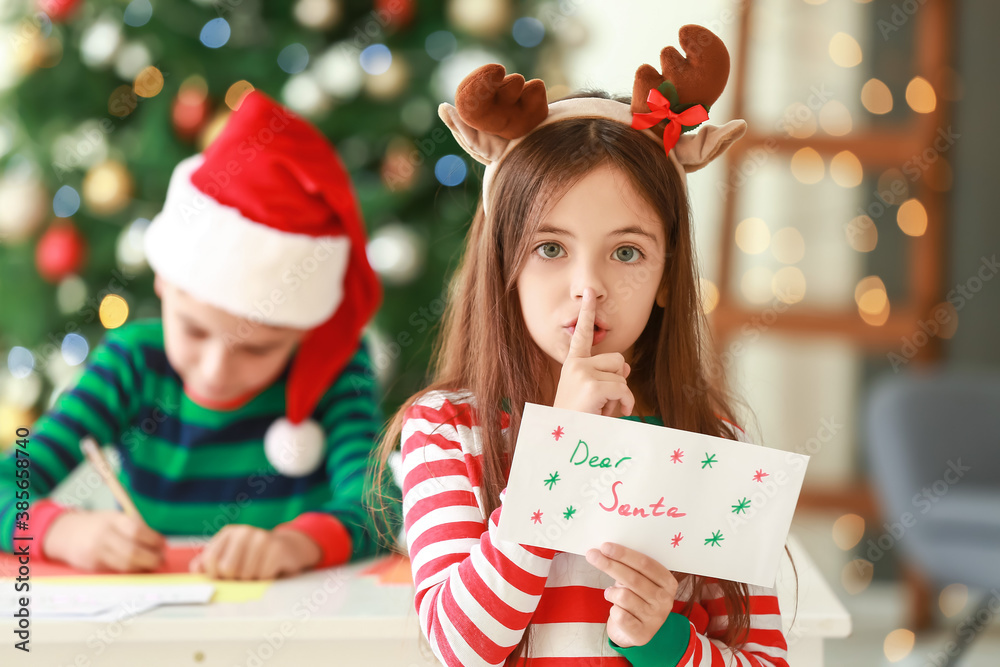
x,y
106,539
246,552
594,384
642,597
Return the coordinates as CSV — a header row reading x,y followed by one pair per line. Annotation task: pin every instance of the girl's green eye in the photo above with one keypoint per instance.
x,y
627,254
550,250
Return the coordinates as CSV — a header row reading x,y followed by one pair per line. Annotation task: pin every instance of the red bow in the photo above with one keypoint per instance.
x,y
659,110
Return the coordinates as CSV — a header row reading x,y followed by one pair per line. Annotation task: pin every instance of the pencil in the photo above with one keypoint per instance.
x,y
96,457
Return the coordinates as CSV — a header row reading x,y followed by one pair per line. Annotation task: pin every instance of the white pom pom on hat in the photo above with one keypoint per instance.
x,y
295,450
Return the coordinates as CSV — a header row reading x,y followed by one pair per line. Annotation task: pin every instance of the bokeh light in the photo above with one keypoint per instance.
x,y
138,13
148,82
66,202
912,217
876,97
844,50
215,33
113,311
528,32
807,166
898,644
74,349
20,361
293,58
862,235
846,170
835,118
236,93
376,59
848,531
920,95
440,44
856,576
450,170
752,236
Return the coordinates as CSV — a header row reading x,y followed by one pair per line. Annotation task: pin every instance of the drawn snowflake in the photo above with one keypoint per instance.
x,y
677,456
742,507
558,433
709,460
715,539
759,476
677,539
570,511
537,516
551,481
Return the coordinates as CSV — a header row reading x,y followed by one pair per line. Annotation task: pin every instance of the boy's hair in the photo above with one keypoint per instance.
x,y
485,347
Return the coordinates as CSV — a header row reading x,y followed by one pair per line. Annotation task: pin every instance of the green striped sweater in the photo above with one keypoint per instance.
x,y
192,470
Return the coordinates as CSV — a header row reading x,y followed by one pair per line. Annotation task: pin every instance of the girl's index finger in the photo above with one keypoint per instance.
x,y
583,336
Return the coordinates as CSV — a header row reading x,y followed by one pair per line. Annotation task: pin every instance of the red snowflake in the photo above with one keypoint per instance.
x,y
558,433
677,539
759,477
677,456
537,516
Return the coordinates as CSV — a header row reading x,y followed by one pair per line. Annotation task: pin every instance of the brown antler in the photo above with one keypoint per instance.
x,y
699,78
492,101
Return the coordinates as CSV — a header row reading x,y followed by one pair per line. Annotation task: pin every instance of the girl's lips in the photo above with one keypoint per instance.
x,y
599,333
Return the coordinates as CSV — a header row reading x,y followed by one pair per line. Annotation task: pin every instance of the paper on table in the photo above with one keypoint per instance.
x,y
225,591
49,600
696,503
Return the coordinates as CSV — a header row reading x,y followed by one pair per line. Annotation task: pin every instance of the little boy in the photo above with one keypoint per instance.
x,y
251,405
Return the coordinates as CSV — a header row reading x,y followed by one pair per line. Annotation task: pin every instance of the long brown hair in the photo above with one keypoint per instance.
x,y
485,348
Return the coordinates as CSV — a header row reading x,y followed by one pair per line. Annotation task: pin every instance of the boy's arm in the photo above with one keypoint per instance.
x,y
97,405
345,527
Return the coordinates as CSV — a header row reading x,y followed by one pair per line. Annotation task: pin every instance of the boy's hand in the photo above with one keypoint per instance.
x,y
642,597
245,552
594,384
103,539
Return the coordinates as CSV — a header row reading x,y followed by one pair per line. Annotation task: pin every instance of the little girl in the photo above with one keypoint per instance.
x,y
577,289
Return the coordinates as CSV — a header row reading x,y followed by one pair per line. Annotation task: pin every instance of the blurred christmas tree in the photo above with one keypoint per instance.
x,y
100,99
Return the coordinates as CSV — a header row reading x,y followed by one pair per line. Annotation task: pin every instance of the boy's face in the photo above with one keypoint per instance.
x,y
220,357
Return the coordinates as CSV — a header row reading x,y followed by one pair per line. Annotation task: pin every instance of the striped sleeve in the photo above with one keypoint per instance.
x,y
351,418
765,642
98,404
475,594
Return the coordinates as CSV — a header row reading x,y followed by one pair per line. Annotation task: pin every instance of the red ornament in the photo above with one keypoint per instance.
x,y
189,113
60,252
59,11
395,13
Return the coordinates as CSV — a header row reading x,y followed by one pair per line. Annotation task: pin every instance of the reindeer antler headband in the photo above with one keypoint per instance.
x,y
494,110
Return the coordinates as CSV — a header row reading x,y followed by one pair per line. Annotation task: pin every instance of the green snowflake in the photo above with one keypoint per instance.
x,y
742,507
715,539
568,514
551,481
709,460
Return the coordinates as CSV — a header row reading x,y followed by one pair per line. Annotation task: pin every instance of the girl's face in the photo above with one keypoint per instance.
x,y
602,235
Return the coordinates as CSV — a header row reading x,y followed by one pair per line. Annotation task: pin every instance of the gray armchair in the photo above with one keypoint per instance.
x,y
933,445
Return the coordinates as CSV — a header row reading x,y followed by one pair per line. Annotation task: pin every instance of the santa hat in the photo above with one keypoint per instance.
x,y
265,225
494,111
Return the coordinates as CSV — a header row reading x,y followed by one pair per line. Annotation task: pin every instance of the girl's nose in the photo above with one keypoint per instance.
x,y
587,274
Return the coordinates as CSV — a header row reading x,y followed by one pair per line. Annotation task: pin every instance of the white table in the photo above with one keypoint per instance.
x,y
333,617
